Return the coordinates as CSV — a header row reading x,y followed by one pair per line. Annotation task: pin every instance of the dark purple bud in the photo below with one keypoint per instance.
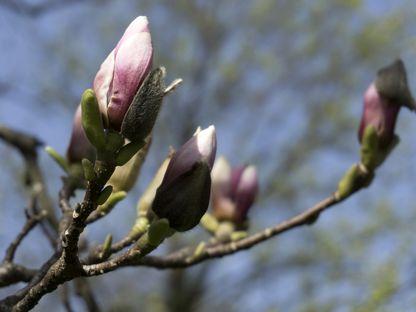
x,y
383,100
183,195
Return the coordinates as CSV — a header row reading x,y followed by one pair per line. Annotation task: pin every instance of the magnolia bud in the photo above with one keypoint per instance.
x,y
383,100
233,191
124,70
245,192
183,195
79,147
223,206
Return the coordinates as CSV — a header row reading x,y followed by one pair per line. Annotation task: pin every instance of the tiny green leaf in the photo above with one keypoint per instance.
x,y
128,151
61,161
92,120
209,223
199,249
105,252
112,201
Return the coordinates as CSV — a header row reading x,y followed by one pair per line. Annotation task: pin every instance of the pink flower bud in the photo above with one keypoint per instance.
x,y
221,178
246,192
123,71
233,191
183,195
79,147
383,100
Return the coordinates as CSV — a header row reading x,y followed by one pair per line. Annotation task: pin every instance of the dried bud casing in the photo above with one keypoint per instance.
x,y
144,109
392,85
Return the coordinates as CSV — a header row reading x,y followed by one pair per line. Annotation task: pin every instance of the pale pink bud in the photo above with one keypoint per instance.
x,y
123,71
79,146
379,114
233,191
221,178
222,204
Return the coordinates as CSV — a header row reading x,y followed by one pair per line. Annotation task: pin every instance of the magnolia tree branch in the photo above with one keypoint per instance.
x,y
31,222
187,256
59,273
11,273
65,264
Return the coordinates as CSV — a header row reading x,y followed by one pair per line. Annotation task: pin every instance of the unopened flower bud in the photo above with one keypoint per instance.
x,y
223,206
183,195
245,192
383,100
233,191
124,70
79,147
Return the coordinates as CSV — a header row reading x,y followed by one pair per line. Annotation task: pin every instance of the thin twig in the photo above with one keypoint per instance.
x,y
172,86
11,273
186,258
31,221
95,254
66,265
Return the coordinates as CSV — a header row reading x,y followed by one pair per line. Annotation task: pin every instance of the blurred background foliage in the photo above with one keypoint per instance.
x,y
283,82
